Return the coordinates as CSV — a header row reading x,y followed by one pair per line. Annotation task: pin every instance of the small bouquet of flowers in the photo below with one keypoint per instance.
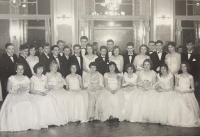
x,y
145,84
22,88
159,87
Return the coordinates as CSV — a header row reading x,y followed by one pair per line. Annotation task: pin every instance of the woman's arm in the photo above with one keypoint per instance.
x,y
84,65
9,87
135,62
122,63
80,81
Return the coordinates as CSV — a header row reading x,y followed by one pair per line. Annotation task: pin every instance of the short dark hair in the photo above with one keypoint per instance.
x,y
113,63
130,66
31,46
95,43
149,61
41,46
66,47
180,46
60,41
93,64
159,41
110,40
38,65
23,47
189,41
19,64
143,45
54,46
103,47
76,45
187,65
8,44
84,37
130,44
45,44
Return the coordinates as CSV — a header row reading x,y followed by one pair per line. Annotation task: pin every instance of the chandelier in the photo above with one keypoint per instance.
x,y
113,5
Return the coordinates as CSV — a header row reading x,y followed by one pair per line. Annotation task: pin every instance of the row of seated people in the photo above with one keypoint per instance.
x,y
144,96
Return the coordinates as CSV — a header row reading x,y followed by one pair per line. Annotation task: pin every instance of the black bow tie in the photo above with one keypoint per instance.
x,y
130,55
103,57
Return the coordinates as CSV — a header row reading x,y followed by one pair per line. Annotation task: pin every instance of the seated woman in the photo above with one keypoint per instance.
x,y
19,110
140,106
50,113
111,100
185,87
78,98
56,84
129,81
93,84
139,59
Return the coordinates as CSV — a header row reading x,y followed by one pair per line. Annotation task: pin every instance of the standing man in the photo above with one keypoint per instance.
x,y
60,44
8,61
152,47
130,55
40,50
44,57
110,45
158,57
22,59
55,50
65,61
77,58
95,49
84,41
191,56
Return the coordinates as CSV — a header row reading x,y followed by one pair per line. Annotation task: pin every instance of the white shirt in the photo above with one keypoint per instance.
x,y
79,60
57,60
159,54
11,57
103,58
46,55
130,57
83,51
109,53
61,53
67,57
189,54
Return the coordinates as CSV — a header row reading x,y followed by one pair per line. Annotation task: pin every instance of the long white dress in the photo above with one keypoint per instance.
x,y
140,106
87,63
78,99
61,95
188,114
19,111
90,82
48,105
128,93
32,62
109,104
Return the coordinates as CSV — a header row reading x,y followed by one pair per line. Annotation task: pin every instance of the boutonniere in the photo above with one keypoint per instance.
x,y
194,59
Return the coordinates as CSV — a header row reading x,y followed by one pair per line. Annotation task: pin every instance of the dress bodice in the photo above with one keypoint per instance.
x,y
173,62
56,81
39,84
19,83
145,77
184,82
88,61
165,80
74,83
132,80
112,82
32,62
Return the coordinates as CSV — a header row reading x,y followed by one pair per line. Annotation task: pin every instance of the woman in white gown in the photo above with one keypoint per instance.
x,y
173,59
117,58
140,106
32,59
56,84
87,59
50,113
129,83
139,59
185,87
78,98
110,102
19,110
93,84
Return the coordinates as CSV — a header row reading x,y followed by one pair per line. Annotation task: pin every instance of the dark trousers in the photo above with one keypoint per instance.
x,y
4,87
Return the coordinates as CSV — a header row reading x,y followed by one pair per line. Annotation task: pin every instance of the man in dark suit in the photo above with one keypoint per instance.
x,y
44,58
65,61
8,61
95,49
77,58
130,55
191,56
110,45
158,57
102,60
22,59
84,42
40,50
152,48
60,44
55,50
